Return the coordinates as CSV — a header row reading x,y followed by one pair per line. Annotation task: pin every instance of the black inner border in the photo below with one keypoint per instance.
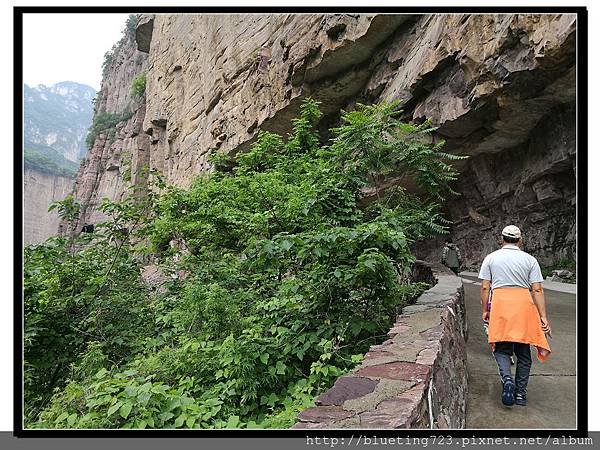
x,y
582,238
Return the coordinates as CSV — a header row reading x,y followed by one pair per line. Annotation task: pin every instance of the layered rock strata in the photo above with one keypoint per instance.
x,y
532,186
119,156
415,379
500,88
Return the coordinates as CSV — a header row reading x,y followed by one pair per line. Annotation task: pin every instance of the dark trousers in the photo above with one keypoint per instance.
x,y
455,270
503,352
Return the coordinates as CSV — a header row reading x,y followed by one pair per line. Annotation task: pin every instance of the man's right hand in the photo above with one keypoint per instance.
x,y
485,316
546,325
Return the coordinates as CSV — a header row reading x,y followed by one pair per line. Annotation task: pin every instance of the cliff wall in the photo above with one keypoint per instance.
x,y
118,154
40,189
501,88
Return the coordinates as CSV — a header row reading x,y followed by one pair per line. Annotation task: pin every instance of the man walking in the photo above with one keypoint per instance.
x,y
518,316
451,257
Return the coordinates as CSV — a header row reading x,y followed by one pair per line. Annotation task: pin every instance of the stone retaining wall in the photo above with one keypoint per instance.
x,y
415,379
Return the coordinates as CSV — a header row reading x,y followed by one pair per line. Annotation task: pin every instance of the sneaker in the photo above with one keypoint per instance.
x,y
508,392
521,399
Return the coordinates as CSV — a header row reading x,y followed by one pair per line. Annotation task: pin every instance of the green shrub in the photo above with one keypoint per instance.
x,y
85,305
138,85
105,121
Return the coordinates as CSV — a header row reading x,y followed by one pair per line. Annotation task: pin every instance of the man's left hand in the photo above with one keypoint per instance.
x,y
546,325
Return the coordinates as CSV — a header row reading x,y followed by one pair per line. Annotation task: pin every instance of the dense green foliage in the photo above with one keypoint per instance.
x,y
105,122
138,85
281,271
82,301
48,160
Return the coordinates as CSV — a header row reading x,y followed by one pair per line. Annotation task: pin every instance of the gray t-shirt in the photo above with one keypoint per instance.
x,y
510,266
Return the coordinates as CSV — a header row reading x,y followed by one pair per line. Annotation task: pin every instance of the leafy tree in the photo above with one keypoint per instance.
x,y
130,25
84,302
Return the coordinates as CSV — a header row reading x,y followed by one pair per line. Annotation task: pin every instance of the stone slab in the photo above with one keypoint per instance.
x,y
324,414
385,389
396,371
346,388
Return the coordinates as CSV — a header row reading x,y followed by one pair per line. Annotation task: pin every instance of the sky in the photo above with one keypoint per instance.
x,y
68,47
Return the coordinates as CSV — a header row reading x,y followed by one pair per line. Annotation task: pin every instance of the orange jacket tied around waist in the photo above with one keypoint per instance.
x,y
515,318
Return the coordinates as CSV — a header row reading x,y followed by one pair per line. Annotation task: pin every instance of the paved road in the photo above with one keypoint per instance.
x,y
551,397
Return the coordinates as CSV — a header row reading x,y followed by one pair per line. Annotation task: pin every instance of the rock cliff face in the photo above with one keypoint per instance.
x,y
39,190
118,154
531,185
501,88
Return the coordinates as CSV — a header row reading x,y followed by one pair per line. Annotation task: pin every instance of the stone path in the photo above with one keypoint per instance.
x,y
552,385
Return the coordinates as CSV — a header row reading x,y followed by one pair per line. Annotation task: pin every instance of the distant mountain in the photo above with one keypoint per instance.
x,y
46,159
56,121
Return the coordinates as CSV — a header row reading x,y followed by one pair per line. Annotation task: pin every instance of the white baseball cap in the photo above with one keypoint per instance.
x,y
511,231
